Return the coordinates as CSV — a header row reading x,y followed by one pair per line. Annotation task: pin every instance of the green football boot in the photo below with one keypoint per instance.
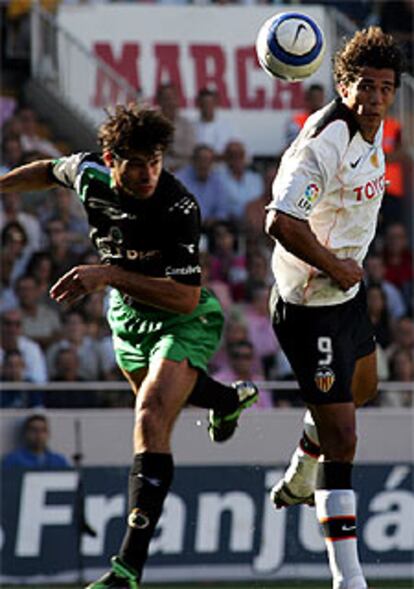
x,y
121,576
222,426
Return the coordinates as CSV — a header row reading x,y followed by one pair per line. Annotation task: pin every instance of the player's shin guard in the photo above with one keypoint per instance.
x,y
336,512
149,481
298,483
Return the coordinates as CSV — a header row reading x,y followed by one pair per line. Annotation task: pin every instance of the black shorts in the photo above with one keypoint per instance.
x,y
322,345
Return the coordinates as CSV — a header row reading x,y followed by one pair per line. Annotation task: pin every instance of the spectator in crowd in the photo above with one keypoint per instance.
x,y
30,137
40,266
181,149
34,451
398,260
375,275
210,128
12,212
401,370
241,362
64,206
67,370
74,330
61,252
403,337
258,274
13,128
241,185
12,339
255,213
227,264
12,152
235,330
8,105
40,322
314,100
379,316
94,308
13,370
220,288
256,314
203,180
15,252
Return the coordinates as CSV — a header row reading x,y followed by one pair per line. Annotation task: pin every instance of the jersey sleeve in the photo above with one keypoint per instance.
x,y
306,171
182,247
65,170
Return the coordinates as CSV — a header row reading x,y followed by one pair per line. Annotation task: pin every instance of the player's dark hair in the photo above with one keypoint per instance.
x,y
368,48
133,128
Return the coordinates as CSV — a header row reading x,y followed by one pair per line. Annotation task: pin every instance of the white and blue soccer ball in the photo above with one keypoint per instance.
x,y
290,46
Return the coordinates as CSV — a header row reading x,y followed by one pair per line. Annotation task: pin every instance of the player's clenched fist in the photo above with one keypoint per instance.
x,y
80,281
347,273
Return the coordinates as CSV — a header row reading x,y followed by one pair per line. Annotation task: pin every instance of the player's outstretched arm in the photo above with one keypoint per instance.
x,y
34,176
163,293
297,238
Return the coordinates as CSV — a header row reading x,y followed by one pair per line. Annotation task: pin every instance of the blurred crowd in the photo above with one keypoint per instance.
x,y
44,234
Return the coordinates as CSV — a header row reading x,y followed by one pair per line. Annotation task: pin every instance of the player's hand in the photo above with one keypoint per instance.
x,y
347,273
80,281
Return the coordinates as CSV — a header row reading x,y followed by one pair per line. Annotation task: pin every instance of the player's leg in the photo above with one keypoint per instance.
x,y
303,467
299,480
226,403
334,495
365,379
160,395
298,483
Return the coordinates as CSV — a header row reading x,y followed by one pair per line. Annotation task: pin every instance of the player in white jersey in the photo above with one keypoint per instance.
x,y
323,216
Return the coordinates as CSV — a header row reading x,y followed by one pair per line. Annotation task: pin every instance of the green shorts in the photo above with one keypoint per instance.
x,y
141,336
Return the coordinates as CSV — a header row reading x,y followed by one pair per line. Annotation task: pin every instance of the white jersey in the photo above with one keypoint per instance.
x,y
334,179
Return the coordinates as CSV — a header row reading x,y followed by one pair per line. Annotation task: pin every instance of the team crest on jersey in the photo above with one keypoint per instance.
x,y
375,160
309,196
324,378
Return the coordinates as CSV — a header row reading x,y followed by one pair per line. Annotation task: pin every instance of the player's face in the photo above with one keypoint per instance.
x,y
138,174
370,97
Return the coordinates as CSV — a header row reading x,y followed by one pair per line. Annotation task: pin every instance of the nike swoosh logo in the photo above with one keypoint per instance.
x,y
151,481
348,528
355,163
298,30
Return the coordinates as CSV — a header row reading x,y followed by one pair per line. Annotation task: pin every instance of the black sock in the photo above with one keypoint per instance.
x,y
211,394
149,481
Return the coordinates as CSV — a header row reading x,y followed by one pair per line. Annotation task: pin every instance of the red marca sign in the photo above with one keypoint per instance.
x,y
192,47
210,67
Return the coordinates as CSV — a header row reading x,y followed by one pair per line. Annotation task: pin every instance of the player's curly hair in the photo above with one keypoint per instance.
x,y
368,48
131,127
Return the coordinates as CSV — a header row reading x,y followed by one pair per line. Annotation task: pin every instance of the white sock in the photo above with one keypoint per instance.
x,y
302,470
335,510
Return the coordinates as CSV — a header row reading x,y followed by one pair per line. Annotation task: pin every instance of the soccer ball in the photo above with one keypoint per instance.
x,y
290,46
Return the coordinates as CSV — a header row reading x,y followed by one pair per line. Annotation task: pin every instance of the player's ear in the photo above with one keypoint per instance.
x,y
108,159
342,90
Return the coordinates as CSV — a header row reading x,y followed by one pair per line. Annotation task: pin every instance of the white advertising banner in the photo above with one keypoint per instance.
x,y
193,47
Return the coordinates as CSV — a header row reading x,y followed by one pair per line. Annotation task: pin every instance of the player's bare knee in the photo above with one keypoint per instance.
x,y
149,421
